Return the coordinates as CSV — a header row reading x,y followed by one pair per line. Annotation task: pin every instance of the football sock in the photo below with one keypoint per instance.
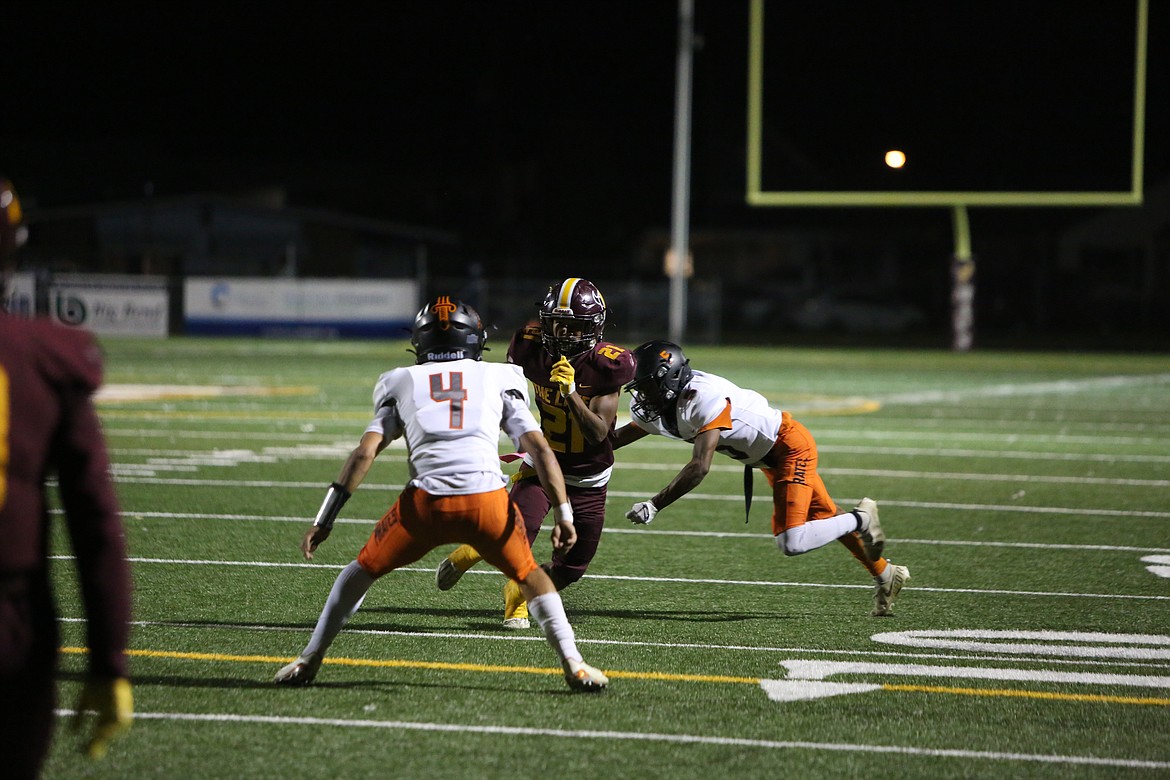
x,y
514,604
347,594
854,545
816,533
464,557
549,611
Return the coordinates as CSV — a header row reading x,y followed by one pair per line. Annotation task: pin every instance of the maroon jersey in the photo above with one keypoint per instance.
x,y
600,371
48,373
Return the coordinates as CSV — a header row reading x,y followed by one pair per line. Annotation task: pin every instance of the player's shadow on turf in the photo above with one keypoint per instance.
x,y
265,683
478,619
358,622
690,616
177,681
470,618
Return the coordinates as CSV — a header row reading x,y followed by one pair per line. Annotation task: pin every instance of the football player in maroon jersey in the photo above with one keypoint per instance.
x,y
576,380
48,424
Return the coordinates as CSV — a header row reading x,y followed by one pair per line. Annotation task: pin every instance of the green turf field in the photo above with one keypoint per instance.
x,y
1028,494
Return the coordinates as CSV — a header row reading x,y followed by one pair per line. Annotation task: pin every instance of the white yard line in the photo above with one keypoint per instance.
x,y
933,475
736,497
1059,387
950,452
638,736
536,636
315,452
138,515
852,472
676,580
1085,433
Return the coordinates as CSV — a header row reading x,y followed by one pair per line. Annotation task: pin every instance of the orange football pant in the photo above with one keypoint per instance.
x,y
419,522
798,492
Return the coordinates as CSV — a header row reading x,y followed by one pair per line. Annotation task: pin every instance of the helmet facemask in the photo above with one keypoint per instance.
x,y
572,318
569,335
648,402
661,375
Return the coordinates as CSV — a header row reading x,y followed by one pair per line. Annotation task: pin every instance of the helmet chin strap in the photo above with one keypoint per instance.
x,y
669,416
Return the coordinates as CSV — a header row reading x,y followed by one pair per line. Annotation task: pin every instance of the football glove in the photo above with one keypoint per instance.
x,y
642,513
113,701
563,376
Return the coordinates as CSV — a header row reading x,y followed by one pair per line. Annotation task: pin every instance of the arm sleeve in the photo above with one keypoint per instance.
x,y
517,417
386,418
95,530
386,422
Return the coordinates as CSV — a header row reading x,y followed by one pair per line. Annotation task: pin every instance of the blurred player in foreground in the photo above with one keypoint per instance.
x,y
48,373
577,379
672,400
450,407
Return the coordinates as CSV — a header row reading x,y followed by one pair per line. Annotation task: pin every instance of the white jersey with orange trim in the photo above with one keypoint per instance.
x,y
748,425
451,414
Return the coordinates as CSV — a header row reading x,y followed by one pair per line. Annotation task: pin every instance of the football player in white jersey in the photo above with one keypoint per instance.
x,y
673,400
450,407
577,379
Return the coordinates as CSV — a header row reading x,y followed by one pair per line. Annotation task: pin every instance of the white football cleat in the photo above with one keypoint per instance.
x,y
884,593
300,672
447,575
872,535
582,677
516,623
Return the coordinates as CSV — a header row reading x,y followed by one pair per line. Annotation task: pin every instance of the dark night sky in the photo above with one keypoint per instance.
x,y
529,128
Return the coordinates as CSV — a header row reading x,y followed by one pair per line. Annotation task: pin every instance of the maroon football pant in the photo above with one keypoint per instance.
x,y
588,518
28,664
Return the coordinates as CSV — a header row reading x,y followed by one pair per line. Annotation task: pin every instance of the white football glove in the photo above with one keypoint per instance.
x,y
642,513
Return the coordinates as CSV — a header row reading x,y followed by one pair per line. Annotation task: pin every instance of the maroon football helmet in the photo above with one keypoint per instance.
x,y
572,317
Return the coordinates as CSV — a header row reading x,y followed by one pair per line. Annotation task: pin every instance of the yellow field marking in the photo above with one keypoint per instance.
x,y
136,393
861,407
1097,699
665,676
816,405
275,414
400,663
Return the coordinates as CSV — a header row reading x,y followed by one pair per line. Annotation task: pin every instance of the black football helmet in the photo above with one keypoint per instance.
x,y
446,329
572,317
661,373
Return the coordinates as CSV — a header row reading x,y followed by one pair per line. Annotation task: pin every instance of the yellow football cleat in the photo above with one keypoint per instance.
x,y
454,565
515,607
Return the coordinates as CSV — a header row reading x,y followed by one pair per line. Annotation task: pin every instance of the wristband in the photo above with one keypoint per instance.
x,y
564,513
335,499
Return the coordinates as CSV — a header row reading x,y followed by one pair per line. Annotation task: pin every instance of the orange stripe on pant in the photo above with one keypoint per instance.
x,y
798,493
419,522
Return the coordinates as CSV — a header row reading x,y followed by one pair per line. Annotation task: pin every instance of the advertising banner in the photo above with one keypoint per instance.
x,y
315,308
20,294
111,305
